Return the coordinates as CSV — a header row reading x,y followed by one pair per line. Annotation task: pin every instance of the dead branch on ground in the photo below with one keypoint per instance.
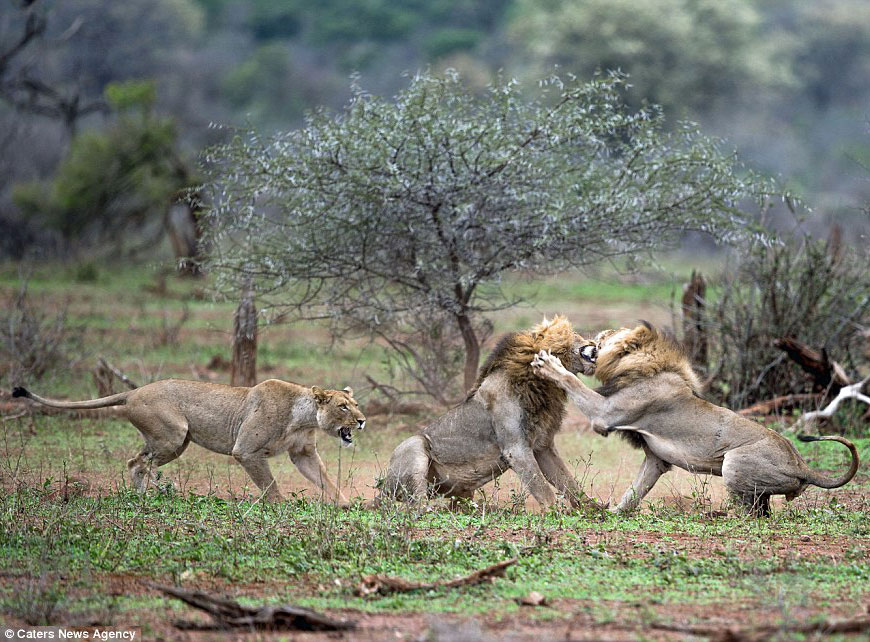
x,y
228,613
779,404
855,391
120,375
384,585
826,374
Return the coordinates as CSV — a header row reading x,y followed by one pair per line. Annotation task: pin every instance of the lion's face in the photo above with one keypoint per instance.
x,y
580,357
338,413
584,355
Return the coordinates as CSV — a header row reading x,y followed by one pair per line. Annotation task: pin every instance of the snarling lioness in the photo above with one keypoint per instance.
x,y
508,420
650,395
251,424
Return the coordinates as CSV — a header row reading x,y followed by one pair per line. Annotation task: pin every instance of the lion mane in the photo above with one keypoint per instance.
x,y
543,401
641,353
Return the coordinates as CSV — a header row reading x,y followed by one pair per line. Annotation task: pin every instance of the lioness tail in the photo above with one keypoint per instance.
x,y
104,402
824,482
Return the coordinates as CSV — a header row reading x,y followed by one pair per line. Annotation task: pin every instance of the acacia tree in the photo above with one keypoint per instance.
x,y
399,217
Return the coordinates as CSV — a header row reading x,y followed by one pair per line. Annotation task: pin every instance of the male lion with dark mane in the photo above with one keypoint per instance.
x,y
251,424
651,396
509,419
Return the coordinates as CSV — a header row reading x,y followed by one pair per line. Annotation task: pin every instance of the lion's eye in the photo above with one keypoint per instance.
x,y
345,408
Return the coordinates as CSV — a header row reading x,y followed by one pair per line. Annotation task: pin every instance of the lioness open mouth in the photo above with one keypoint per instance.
x,y
346,436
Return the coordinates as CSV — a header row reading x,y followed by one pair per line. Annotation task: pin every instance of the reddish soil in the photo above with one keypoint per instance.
x,y
644,618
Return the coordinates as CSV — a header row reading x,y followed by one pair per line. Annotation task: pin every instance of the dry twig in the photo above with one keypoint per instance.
x,y
228,613
384,585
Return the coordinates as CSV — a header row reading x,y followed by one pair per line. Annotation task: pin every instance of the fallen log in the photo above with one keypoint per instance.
x,y
384,585
120,375
228,613
855,391
826,374
779,404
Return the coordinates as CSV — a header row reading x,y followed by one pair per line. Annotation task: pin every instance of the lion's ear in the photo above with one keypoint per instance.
x,y
320,395
348,390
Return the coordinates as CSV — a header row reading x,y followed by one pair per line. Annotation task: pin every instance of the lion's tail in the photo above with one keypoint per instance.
x,y
824,482
114,400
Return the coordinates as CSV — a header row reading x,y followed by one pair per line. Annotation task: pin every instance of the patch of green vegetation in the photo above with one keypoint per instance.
x,y
322,552
830,456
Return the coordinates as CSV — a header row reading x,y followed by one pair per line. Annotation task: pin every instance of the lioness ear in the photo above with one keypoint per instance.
x,y
320,395
348,390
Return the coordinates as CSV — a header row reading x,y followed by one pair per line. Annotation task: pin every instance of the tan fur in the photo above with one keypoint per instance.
x,y
543,401
641,353
508,420
651,394
251,424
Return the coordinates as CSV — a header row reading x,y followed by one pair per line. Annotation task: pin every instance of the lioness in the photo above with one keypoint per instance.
x,y
251,424
651,396
508,420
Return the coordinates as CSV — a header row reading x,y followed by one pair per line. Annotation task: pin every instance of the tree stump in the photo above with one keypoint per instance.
x,y
104,380
694,332
244,365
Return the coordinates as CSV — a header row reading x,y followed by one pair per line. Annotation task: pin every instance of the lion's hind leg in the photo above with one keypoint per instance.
x,y
166,438
407,472
753,473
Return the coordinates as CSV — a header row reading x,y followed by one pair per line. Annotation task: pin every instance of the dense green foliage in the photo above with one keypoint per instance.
x,y
744,68
687,56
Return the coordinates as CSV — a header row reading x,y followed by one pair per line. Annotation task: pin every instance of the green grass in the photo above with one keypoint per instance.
x,y
312,554
303,544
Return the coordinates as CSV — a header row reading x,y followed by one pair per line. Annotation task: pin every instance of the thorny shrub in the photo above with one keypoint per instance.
x,y
815,291
33,342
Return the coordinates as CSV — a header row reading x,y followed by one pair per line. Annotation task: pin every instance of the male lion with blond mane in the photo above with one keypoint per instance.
x,y
651,396
251,424
508,420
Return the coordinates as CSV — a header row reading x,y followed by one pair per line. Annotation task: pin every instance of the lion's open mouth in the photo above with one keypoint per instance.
x,y
589,353
346,436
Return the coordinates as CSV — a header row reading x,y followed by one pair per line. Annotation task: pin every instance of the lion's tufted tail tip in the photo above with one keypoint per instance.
x,y
18,391
808,438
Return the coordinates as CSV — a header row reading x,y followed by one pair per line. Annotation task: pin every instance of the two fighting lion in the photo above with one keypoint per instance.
x,y
650,395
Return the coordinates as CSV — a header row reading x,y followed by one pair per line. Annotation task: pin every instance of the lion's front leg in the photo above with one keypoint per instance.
x,y
652,468
522,461
547,366
312,468
590,403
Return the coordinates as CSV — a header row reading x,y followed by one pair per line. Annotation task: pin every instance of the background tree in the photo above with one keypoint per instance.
x,y
400,216
686,55
115,182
